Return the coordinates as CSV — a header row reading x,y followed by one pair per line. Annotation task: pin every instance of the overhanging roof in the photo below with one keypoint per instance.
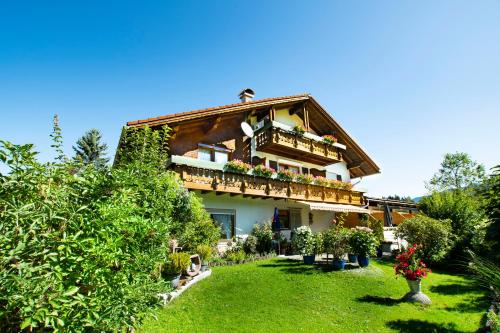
x,y
334,207
359,163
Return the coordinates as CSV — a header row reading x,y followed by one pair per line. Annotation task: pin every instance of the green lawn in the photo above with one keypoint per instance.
x,y
281,295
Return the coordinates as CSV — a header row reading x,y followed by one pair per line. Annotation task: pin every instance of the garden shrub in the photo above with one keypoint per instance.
x,y
264,235
235,255
336,241
464,208
303,240
83,249
432,235
250,245
205,252
362,242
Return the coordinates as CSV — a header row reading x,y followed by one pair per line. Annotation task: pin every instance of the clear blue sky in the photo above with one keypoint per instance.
x,y
410,80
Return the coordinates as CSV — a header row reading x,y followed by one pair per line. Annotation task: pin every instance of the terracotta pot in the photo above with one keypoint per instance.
x,y
415,286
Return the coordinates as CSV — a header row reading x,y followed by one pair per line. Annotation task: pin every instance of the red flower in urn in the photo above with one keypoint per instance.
x,y
409,265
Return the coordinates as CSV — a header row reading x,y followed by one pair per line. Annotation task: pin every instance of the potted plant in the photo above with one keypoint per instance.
x,y
329,139
336,242
286,175
303,243
205,252
305,178
179,264
299,130
412,268
237,166
363,244
262,171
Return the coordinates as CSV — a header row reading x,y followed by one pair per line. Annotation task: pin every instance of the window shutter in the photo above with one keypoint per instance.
x,y
273,164
339,177
305,170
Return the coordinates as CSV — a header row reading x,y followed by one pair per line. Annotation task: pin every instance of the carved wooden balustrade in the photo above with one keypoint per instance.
x,y
195,178
276,140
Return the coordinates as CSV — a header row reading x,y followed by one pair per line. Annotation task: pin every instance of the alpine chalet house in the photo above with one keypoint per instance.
x,y
315,161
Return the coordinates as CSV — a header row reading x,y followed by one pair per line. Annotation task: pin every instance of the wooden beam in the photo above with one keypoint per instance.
x,y
296,109
306,118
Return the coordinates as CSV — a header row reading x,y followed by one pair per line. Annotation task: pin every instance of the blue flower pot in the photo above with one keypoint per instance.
x,y
352,258
338,264
363,261
309,260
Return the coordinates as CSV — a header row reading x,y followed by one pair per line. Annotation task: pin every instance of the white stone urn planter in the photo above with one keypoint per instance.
x,y
416,295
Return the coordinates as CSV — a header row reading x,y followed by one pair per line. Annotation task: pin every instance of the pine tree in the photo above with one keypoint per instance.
x,y
90,150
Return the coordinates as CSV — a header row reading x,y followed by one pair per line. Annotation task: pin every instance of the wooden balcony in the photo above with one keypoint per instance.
x,y
251,186
287,144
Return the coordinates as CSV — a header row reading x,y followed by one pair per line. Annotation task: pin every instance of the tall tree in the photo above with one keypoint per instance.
x,y
458,171
90,150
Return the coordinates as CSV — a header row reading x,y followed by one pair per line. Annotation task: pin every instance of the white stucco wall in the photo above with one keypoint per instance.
x,y
251,211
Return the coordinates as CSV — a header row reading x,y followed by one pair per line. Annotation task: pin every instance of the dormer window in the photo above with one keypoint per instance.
x,y
213,153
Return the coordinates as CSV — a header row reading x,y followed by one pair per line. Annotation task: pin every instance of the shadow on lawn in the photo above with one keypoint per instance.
x,y
380,300
414,325
298,267
454,288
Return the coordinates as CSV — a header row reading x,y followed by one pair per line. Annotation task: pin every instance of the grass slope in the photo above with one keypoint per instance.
x,y
281,295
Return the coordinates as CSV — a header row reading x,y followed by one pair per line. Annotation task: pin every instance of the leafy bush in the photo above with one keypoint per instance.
x,y
237,166
250,245
83,249
336,241
179,262
205,252
362,242
235,256
263,171
465,211
303,240
319,247
432,235
264,235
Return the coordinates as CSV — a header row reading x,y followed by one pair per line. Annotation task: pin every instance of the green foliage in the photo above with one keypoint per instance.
x,y
377,226
84,250
433,236
491,195
319,246
399,198
362,242
458,171
205,252
57,140
263,171
90,150
298,129
303,240
235,256
179,262
336,241
465,211
305,178
487,273
237,166
250,245
264,235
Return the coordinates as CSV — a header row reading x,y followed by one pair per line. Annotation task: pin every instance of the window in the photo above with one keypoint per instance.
x,y
225,218
284,215
213,153
204,154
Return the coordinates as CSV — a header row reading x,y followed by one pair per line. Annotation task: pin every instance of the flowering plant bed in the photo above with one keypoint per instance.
x,y
305,178
409,265
330,139
263,171
237,166
299,130
286,175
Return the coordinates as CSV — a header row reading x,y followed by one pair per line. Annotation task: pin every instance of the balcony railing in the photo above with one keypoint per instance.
x,y
225,182
289,144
